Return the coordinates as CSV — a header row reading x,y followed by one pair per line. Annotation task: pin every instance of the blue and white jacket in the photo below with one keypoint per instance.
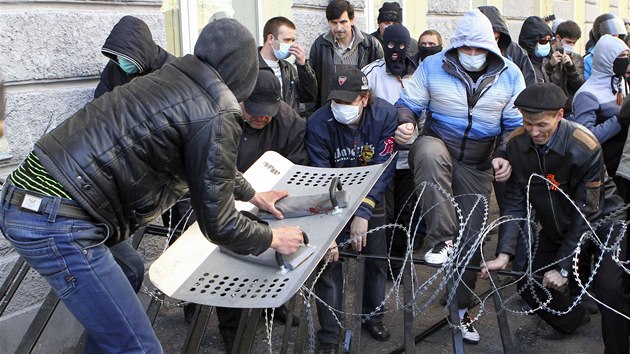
x,y
332,144
467,116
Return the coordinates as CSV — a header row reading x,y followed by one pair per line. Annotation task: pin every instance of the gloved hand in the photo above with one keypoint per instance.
x,y
624,113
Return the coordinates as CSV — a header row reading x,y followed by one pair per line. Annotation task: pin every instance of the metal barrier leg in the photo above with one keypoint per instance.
x,y
288,325
458,344
12,283
34,331
246,341
355,344
504,326
410,346
197,329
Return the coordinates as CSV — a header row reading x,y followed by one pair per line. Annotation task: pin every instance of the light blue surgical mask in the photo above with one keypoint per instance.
x,y
345,114
542,50
127,66
283,51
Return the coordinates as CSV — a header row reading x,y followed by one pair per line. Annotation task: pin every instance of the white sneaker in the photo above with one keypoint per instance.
x,y
439,253
469,333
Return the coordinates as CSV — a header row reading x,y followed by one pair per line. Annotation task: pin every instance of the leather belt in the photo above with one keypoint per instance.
x,y
38,203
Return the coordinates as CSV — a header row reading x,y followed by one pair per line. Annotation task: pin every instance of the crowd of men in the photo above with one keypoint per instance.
x,y
483,114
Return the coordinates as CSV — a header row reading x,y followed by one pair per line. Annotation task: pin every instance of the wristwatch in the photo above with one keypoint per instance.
x,y
564,273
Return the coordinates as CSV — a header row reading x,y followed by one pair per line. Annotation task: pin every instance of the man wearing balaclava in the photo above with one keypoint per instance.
x,y
386,79
118,163
391,14
462,148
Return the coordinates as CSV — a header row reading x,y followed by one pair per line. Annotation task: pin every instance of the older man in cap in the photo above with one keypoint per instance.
x,y
570,158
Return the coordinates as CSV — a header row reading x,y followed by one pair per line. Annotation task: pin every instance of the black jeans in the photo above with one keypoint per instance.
x,y
607,287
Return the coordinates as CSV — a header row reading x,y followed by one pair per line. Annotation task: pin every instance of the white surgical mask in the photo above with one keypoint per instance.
x,y
542,50
346,114
472,62
283,51
568,49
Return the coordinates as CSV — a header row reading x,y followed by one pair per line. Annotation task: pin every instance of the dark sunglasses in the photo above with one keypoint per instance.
x,y
545,40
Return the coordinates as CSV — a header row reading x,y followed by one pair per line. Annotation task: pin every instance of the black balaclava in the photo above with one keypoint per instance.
x,y
398,35
230,49
426,51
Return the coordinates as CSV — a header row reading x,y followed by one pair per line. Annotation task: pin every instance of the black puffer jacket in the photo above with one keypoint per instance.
x,y
129,155
534,28
509,48
574,162
132,39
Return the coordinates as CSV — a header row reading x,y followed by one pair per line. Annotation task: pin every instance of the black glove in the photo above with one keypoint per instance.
x,y
624,113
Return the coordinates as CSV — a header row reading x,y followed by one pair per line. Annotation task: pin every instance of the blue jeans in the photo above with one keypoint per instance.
x,y
71,255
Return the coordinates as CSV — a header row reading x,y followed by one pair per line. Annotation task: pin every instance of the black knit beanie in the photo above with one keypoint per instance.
x,y
390,11
230,49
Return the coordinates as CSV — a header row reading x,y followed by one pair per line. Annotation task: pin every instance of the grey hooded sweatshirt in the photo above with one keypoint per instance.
x,y
595,103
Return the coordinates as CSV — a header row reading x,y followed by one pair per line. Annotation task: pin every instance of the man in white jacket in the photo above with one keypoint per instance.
x,y
468,93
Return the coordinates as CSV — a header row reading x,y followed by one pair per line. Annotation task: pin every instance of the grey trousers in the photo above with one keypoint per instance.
x,y
431,161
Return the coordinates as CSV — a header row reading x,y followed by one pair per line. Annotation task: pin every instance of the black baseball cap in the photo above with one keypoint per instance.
x,y
265,100
348,83
541,97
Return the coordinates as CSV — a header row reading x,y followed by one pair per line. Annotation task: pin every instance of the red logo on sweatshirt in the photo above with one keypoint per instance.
x,y
389,148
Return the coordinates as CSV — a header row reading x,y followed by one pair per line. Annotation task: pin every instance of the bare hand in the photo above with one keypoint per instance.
x,y
404,133
566,59
299,53
499,263
358,228
502,169
556,57
332,255
287,239
554,280
266,201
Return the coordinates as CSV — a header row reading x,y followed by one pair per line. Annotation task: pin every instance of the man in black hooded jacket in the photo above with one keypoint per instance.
x,y
133,53
536,38
509,48
119,162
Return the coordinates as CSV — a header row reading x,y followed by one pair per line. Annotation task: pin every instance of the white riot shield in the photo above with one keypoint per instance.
x,y
195,270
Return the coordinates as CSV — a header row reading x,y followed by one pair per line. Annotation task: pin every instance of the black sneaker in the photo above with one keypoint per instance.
x,y
439,253
327,348
377,330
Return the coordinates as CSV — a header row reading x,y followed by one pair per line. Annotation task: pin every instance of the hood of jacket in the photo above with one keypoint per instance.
x,y
475,30
498,25
132,39
534,28
607,49
235,60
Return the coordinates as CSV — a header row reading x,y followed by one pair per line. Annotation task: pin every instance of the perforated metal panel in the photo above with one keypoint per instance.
x,y
195,270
